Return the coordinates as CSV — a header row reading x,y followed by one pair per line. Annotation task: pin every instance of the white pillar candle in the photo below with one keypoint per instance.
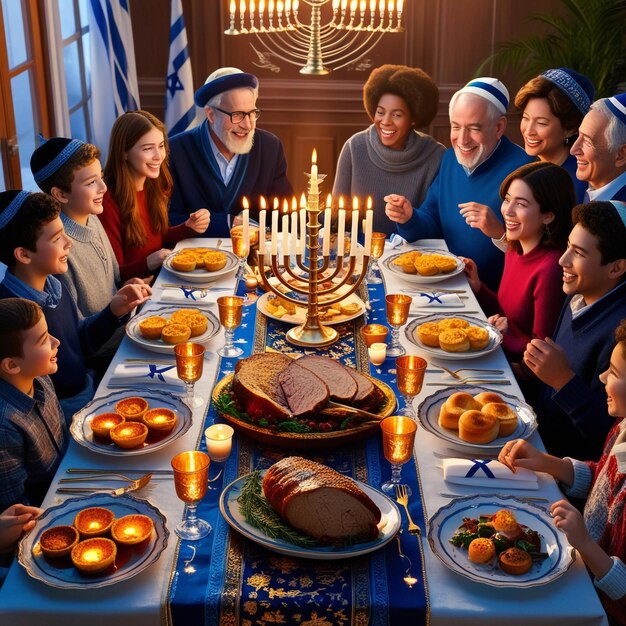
x,y
284,241
302,242
293,246
246,222
262,218
275,230
341,228
327,221
219,441
369,220
313,182
377,353
354,233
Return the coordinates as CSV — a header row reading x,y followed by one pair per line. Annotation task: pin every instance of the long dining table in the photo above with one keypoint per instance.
x,y
146,599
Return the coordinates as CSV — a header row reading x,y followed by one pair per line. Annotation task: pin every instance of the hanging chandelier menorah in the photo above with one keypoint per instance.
x,y
295,254
355,28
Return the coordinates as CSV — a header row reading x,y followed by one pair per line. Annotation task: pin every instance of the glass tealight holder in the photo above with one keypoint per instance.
x,y
219,441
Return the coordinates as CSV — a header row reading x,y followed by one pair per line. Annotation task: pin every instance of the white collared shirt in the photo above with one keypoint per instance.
x,y
226,167
609,190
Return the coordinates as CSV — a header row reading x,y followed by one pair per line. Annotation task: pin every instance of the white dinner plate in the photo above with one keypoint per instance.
x,y
81,431
131,560
388,263
158,345
429,409
495,336
389,525
300,315
445,522
201,275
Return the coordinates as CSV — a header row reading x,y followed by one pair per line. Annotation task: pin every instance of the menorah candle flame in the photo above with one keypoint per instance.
x,y
299,257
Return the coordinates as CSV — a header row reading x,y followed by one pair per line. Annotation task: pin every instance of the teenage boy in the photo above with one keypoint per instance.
x,y
33,435
70,171
34,246
572,410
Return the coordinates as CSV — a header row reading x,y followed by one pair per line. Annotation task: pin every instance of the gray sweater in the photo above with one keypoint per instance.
x,y
367,168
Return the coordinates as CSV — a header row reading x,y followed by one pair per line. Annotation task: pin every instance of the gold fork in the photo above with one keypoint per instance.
x,y
134,485
403,498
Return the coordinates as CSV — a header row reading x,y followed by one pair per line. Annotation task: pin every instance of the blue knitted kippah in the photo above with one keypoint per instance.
x,y
219,82
574,85
10,203
617,105
491,89
51,156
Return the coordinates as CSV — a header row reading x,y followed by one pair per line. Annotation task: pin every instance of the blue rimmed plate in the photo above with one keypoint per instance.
x,y
389,526
130,560
389,264
82,433
202,275
446,521
429,409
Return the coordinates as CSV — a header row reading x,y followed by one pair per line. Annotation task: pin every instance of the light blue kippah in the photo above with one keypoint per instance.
x,y
14,206
617,104
575,86
491,89
621,209
58,161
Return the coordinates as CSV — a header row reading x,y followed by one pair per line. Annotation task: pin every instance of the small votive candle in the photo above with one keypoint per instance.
x,y
251,282
219,441
374,333
377,353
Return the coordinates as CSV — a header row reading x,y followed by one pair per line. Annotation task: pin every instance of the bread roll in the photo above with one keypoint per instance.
x,y
445,264
454,340
514,561
184,262
452,409
481,550
478,337
504,521
151,327
428,334
476,427
484,397
453,322
506,416
426,266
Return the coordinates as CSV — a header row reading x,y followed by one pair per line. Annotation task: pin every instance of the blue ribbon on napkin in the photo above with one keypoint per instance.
x,y
188,293
431,297
480,465
155,371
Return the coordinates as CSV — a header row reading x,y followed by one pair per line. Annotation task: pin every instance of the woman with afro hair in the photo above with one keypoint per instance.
x,y
392,156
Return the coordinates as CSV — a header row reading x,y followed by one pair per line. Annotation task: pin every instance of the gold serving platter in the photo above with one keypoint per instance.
x,y
309,440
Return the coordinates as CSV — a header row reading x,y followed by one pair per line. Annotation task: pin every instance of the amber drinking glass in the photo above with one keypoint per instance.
x,y
191,480
398,440
241,247
398,306
230,309
378,247
189,365
410,372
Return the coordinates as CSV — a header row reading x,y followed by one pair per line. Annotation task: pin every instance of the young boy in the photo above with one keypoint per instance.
x,y
34,247
572,413
33,434
599,535
70,171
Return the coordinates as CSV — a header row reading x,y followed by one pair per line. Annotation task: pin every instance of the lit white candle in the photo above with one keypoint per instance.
x,y
369,220
293,246
313,181
219,441
377,353
246,222
354,233
341,227
262,217
302,242
275,228
327,220
284,240
233,8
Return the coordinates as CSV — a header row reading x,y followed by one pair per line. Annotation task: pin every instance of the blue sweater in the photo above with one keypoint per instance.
x,y
439,216
574,421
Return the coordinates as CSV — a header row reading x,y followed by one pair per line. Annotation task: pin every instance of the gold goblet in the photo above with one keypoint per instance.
x,y
410,372
398,306
191,480
378,247
398,440
230,309
241,245
189,365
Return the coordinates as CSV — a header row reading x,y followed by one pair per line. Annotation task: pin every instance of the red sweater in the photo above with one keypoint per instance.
x,y
132,261
530,297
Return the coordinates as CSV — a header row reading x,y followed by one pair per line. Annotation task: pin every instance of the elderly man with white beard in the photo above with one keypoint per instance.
x,y
225,158
459,202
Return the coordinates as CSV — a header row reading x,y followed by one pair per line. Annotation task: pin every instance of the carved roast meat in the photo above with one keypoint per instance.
x,y
341,385
320,502
304,391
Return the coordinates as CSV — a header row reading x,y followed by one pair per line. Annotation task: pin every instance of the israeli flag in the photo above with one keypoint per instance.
x,y
114,74
180,110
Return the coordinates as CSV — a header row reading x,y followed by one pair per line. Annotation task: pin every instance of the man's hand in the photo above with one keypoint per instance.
x,y
199,220
482,217
499,321
548,362
398,208
14,521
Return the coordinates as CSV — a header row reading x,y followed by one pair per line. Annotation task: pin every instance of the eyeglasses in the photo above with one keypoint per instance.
x,y
236,117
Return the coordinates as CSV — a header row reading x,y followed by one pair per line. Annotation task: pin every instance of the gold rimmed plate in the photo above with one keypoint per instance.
x,y
308,440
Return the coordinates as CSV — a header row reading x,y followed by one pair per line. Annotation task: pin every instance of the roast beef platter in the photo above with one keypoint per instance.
x,y
312,401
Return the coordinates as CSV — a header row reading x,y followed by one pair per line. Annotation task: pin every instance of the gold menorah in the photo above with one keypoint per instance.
x,y
313,333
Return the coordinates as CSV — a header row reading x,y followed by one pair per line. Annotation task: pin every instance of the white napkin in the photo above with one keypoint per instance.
x,y
428,299
487,473
146,374
188,296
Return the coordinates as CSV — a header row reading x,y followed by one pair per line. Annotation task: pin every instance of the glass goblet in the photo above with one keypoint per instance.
x,y
230,309
378,247
398,306
191,480
241,244
410,372
398,440
189,365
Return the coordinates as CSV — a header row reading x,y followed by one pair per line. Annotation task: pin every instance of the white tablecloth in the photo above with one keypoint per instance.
x,y
139,601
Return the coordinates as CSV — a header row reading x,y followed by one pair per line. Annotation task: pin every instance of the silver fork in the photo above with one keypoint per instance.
x,y
402,498
455,373
470,381
134,485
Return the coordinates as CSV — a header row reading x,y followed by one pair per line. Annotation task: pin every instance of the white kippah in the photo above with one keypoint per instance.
x,y
222,71
491,89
